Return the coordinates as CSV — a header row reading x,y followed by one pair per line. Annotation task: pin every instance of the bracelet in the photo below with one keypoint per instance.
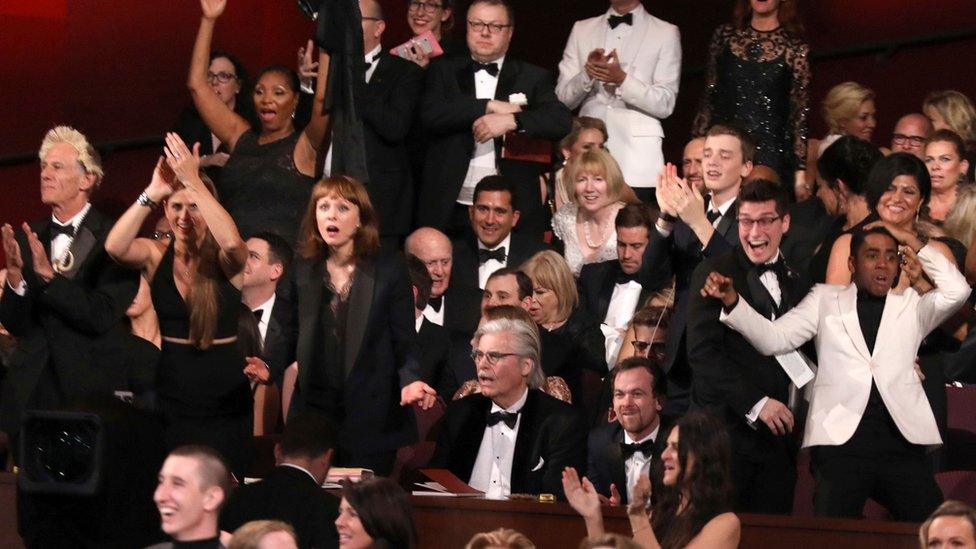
x,y
144,200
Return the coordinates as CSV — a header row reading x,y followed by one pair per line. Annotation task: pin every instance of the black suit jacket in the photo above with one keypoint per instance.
x,y
596,283
380,352
435,350
289,495
448,110
279,340
388,108
605,461
551,432
809,225
730,376
66,327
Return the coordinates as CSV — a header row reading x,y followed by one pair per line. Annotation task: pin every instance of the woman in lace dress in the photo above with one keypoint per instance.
x,y
585,226
759,74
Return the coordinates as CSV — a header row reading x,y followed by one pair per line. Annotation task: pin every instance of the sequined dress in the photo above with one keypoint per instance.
x,y
762,79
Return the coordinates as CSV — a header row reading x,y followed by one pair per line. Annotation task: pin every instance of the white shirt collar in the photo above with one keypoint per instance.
x,y
652,436
419,322
300,468
514,408
76,220
722,208
500,61
266,307
374,54
774,259
503,244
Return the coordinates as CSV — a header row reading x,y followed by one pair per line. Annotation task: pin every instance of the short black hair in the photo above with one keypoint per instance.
x,y
420,279
764,190
892,166
634,215
279,250
659,383
307,435
859,237
500,183
850,160
521,279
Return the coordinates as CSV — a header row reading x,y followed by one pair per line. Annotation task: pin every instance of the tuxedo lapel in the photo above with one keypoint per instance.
x,y
606,291
618,471
465,79
894,305
847,303
634,42
506,80
310,290
468,441
525,442
274,328
81,247
728,221
360,303
380,73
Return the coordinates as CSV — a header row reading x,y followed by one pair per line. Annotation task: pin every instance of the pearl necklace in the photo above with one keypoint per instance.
x,y
586,235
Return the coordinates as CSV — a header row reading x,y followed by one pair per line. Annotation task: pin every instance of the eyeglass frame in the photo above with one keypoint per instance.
x,y
915,140
763,222
492,357
426,7
222,77
493,28
639,347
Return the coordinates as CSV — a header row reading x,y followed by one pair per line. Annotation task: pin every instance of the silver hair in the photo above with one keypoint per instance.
x,y
525,340
88,157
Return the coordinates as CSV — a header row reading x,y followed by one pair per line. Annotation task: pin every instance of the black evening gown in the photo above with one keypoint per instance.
x,y
760,79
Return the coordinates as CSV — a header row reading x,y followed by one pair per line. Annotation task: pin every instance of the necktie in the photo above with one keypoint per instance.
x,y
258,313
508,417
435,303
646,448
623,278
712,215
498,254
615,20
775,267
57,229
490,68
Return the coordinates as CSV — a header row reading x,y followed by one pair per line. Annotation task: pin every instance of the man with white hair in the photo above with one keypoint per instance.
x,y
64,295
511,437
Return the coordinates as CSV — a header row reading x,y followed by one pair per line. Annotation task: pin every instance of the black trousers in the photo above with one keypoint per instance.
x,y
878,463
763,472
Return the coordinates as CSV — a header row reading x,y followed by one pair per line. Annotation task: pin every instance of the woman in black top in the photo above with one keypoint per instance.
x,y
759,74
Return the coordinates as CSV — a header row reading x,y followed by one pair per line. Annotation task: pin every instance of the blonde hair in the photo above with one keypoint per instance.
x,y
842,103
961,220
594,162
250,534
88,157
957,111
549,270
503,537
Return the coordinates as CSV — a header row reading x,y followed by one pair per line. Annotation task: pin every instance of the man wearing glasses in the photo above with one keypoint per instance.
x,y
469,105
730,377
910,134
511,437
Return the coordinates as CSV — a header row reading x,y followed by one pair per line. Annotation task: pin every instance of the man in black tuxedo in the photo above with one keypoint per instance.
x,y
292,492
435,341
468,106
268,260
511,438
65,296
387,107
732,379
614,290
621,451
692,227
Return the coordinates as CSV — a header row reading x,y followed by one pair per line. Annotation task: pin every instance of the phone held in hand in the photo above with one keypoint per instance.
x,y
425,42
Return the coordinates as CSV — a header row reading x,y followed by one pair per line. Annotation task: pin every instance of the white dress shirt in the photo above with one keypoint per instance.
x,y
483,160
419,322
623,303
722,210
59,244
437,317
487,268
265,309
771,282
637,464
492,471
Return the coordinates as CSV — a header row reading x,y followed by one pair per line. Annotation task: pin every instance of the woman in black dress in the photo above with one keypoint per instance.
x,y
759,74
195,282
267,179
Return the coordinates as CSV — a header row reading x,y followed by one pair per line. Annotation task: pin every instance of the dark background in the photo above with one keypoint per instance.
x,y
116,69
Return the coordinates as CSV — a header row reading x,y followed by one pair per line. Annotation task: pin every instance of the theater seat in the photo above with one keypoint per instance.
x,y
415,456
555,387
264,459
961,432
960,485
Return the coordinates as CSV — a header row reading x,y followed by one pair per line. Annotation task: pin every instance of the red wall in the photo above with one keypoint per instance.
x,y
116,68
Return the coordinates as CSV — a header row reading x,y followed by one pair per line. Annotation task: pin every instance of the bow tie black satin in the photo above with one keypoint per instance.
x,y
712,215
615,20
436,303
623,278
777,267
57,229
646,448
490,68
258,313
510,418
498,254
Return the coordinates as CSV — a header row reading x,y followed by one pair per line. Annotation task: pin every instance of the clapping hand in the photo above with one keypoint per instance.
x,y
257,370
642,496
582,496
212,9
595,56
686,200
608,69
42,265
11,250
184,163
721,288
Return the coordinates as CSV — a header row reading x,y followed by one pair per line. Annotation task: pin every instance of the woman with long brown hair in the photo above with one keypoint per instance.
x,y
195,282
357,355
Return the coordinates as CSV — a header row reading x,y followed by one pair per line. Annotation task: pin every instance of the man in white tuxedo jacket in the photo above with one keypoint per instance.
x,y
623,67
869,420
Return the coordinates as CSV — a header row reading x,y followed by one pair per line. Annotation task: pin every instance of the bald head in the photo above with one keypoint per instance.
x,y
373,24
691,162
910,134
434,249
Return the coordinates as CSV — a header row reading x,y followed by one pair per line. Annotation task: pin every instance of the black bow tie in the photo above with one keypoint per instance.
x,y
646,448
623,278
777,267
57,229
435,303
615,20
712,215
508,417
490,68
370,61
498,254
258,314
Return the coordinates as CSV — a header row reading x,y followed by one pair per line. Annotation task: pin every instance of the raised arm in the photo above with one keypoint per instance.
x,y
121,242
226,124
310,143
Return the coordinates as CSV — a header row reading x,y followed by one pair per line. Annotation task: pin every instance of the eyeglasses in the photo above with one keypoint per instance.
x,y
915,140
763,222
222,77
426,7
493,28
491,356
658,349
160,235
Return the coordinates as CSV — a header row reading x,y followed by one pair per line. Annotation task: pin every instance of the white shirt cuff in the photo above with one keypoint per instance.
x,y
753,414
21,288
662,231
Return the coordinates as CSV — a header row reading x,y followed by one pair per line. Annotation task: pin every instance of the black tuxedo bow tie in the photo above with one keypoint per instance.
x,y
258,313
490,68
57,229
498,254
646,448
435,303
623,278
615,20
777,267
508,417
712,215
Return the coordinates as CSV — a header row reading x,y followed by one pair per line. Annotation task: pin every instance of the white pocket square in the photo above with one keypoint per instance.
x,y
539,465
